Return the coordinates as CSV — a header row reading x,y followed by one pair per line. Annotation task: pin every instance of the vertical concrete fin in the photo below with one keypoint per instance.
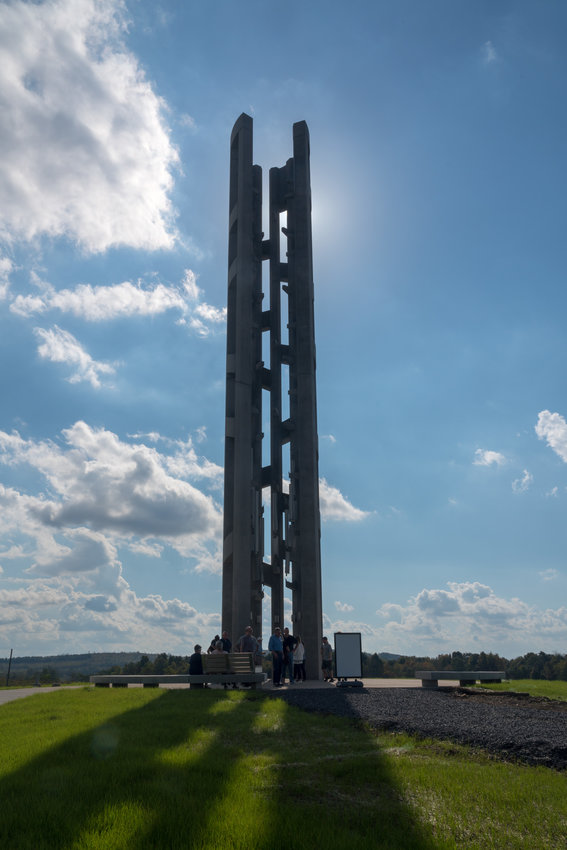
x,y
241,602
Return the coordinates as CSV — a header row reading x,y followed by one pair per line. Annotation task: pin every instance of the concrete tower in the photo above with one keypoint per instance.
x,y
295,527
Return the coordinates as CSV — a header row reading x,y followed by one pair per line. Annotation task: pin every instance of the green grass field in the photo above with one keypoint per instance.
x,y
534,687
135,768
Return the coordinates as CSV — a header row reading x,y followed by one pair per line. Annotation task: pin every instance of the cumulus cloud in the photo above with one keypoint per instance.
x,y
123,300
103,499
485,457
335,507
89,551
85,152
60,346
344,606
67,617
469,615
521,485
124,491
552,427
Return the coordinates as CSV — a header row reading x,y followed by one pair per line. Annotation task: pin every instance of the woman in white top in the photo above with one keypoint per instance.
x,y
299,661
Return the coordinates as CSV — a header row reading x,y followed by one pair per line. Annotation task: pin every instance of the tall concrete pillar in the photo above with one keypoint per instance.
x,y
295,528
304,526
243,523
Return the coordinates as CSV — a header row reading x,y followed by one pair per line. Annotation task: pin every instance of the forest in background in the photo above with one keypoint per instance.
x,y
533,665
46,670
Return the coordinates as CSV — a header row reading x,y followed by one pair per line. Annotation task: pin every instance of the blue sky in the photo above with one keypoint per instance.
x,y
438,133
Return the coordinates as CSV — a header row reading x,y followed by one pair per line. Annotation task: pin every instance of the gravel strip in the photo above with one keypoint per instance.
x,y
529,730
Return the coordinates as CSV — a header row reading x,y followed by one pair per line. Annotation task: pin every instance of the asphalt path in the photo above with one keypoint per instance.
x,y
10,694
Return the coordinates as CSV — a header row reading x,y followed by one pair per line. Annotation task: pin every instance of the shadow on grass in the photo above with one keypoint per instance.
x,y
196,769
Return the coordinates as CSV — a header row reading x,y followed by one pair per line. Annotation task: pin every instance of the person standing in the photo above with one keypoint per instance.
x,y
196,666
327,660
226,641
247,642
289,643
299,661
275,646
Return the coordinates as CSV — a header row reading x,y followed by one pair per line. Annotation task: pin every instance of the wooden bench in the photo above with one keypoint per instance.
x,y
233,668
430,678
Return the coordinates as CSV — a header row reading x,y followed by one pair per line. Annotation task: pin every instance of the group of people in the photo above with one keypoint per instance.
x,y
287,651
288,655
219,646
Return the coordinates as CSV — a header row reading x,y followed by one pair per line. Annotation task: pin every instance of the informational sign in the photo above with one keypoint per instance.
x,y
348,655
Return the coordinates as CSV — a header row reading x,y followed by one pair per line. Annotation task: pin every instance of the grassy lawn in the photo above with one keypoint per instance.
x,y
135,768
534,687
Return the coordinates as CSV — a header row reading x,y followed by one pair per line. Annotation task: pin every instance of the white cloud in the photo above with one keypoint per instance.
x,y
207,313
549,575
101,495
13,552
469,616
344,606
6,267
60,346
190,287
485,457
84,152
101,303
368,632
123,300
334,506
89,551
187,120
142,547
66,616
553,428
98,483
521,485
489,54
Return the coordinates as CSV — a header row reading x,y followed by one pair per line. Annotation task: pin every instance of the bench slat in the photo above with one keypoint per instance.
x,y
215,663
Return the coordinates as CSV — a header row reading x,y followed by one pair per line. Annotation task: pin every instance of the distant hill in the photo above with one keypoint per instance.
x,y
388,656
65,668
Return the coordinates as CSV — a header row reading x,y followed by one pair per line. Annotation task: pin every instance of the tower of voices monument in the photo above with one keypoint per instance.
x,y
277,326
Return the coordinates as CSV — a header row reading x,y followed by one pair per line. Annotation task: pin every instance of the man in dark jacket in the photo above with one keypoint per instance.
x,y
196,666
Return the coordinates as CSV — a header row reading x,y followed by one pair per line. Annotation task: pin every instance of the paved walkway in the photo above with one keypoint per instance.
x,y
367,683
18,693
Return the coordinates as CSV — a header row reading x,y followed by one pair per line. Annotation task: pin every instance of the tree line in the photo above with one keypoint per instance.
x,y
533,665
50,669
